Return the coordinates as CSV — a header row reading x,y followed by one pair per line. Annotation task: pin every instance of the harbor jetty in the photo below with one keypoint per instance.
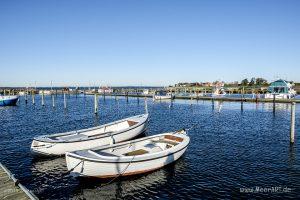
x,y
188,93
11,188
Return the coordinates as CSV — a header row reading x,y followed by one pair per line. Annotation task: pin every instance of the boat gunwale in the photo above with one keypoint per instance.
x,y
73,155
140,123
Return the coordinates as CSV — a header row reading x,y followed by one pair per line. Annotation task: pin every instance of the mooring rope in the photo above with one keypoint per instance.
x,y
69,171
120,174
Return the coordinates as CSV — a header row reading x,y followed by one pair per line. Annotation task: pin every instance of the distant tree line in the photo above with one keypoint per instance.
x,y
254,82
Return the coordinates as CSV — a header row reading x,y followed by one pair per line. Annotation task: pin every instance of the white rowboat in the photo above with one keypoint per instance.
x,y
118,131
129,158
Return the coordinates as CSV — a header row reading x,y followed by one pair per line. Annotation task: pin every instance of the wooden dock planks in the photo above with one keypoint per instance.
x,y
10,188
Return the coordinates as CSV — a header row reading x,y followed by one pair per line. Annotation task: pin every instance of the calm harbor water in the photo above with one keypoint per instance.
x,y
231,150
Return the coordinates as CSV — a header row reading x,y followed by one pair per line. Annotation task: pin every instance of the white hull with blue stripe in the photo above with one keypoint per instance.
x,y
9,100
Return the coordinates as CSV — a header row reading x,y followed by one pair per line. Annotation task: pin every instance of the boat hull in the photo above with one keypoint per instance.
x,y
162,97
107,170
40,148
91,164
9,101
279,96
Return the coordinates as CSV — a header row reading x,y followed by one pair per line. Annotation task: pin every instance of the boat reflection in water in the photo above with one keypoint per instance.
x,y
133,187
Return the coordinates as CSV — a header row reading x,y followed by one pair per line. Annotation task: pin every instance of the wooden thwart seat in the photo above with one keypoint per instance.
x,y
171,137
165,141
131,123
136,152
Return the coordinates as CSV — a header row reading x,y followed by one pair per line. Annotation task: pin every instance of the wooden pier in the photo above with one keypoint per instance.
x,y
11,188
207,98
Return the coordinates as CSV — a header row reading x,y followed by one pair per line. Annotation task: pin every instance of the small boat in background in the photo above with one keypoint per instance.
x,y
161,95
118,131
219,92
9,100
45,92
129,158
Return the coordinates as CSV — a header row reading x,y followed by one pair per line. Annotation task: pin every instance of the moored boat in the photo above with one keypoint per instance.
x,y
129,158
118,131
280,89
45,92
8,100
163,96
219,92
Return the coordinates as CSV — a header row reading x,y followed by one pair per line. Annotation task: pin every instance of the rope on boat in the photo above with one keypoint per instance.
x,y
66,173
186,129
193,126
120,174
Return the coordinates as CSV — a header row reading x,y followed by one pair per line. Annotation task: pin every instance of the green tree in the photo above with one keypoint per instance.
x,y
245,82
261,81
252,81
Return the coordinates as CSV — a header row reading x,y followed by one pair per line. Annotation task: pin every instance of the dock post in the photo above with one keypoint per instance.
x,y
96,104
146,105
292,133
53,102
33,100
65,101
26,98
43,101
256,97
127,96
273,103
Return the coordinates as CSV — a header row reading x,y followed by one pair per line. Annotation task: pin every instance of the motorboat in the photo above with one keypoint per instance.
x,y
8,100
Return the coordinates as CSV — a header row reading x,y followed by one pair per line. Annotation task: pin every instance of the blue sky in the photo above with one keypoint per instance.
x,y
147,42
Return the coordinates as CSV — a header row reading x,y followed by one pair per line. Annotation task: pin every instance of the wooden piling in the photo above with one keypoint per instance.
x,y
33,97
26,99
293,113
65,101
26,96
146,105
256,98
43,100
53,101
95,104
273,103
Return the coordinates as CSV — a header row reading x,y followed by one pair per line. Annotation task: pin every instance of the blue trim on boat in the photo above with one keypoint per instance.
x,y
9,102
